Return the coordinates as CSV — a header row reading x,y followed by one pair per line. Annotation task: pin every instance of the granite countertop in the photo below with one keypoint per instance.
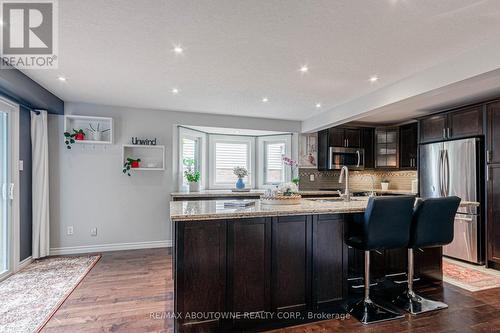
x,y
253,193
215,209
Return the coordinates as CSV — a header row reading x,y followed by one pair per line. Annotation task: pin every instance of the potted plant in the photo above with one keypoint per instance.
x,y
131,163
385,184
241,173
192,176
69,138
294,169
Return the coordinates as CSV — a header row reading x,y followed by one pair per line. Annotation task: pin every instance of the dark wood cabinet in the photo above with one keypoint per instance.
x,y
249,265
433,128
368,136
344,137
465,122
460,123
201,279
291,252
323,147
408,146
336,137
493,224
352,137
493,135
329,260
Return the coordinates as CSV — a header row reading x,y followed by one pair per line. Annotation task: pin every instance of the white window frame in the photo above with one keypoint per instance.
x,y
261,158
212,140
201,139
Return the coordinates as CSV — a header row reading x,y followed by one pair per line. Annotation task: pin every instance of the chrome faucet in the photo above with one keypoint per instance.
x,y
347,194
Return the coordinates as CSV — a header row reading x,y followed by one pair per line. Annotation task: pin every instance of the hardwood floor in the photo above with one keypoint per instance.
x,y
126,289
120,294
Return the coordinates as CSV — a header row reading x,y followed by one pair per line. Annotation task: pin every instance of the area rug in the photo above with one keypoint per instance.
x,y
469,277
30,297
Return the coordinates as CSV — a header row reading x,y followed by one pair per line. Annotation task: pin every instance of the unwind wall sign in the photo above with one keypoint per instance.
x,y
143,142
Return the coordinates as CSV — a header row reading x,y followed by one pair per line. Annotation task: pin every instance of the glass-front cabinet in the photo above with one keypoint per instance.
x,y
386,147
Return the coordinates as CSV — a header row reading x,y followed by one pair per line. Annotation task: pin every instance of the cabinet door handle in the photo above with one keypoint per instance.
x,y
488,156
448,133
347,142
444,133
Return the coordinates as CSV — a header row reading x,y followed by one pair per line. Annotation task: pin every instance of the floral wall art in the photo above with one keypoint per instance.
x,y
308,150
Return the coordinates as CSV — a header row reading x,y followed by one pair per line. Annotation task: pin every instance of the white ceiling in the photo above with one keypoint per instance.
x,y
238,51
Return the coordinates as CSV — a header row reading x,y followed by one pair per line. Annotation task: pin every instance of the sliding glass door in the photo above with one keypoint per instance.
x,y
6,187
9,198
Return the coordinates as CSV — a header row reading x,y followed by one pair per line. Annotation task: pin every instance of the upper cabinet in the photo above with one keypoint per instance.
x,y
433,128
456,124
386,147
493,137
408,146
345,137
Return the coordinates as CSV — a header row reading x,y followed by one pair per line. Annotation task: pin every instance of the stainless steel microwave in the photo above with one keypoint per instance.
x,y
353,158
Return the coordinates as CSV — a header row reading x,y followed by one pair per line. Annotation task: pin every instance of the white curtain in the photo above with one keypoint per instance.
x,y
40,183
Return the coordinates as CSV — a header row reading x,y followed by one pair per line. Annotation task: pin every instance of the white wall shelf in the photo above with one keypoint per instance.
x,y
152,157
72,122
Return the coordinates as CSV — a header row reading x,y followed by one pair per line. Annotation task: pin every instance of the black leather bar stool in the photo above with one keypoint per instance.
x,y
384,225
432,226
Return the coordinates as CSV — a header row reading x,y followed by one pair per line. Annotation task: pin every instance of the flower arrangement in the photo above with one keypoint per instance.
x,y
191,175
288,189
240,172
294,167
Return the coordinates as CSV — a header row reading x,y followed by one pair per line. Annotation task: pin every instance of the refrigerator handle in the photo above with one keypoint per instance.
x,y
440,174
447,172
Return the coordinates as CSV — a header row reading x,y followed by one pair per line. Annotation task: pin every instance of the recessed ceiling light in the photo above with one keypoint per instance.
x,y
178,49
175,91
373,79
265,99
61,78
318,105
304,69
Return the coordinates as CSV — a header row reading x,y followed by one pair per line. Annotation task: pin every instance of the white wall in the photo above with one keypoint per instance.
x,y
88,189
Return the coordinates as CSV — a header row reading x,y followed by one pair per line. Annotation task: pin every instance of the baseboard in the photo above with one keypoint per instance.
x,y
109,247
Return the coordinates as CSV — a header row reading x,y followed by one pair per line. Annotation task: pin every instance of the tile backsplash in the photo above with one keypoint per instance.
x,y
358,180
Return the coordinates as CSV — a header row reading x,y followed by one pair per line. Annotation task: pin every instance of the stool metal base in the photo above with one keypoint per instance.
x,y
415,304
368,312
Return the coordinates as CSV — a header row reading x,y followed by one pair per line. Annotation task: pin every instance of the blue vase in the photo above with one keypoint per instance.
x,y
240,184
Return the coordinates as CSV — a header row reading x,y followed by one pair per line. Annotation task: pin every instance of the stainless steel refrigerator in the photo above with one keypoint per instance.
x,y
455,168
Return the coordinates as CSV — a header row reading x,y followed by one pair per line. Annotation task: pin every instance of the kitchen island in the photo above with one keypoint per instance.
x,y
263,265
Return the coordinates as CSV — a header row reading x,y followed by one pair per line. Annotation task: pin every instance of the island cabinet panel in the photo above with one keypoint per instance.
x,y
201,270
329,272
249,265
291,272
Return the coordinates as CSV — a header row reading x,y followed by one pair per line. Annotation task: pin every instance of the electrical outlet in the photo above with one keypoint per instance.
x,y
70,231
93,232
311,177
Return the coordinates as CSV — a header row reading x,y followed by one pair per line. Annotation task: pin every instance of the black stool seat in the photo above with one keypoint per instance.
x,y
384,225
432,225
